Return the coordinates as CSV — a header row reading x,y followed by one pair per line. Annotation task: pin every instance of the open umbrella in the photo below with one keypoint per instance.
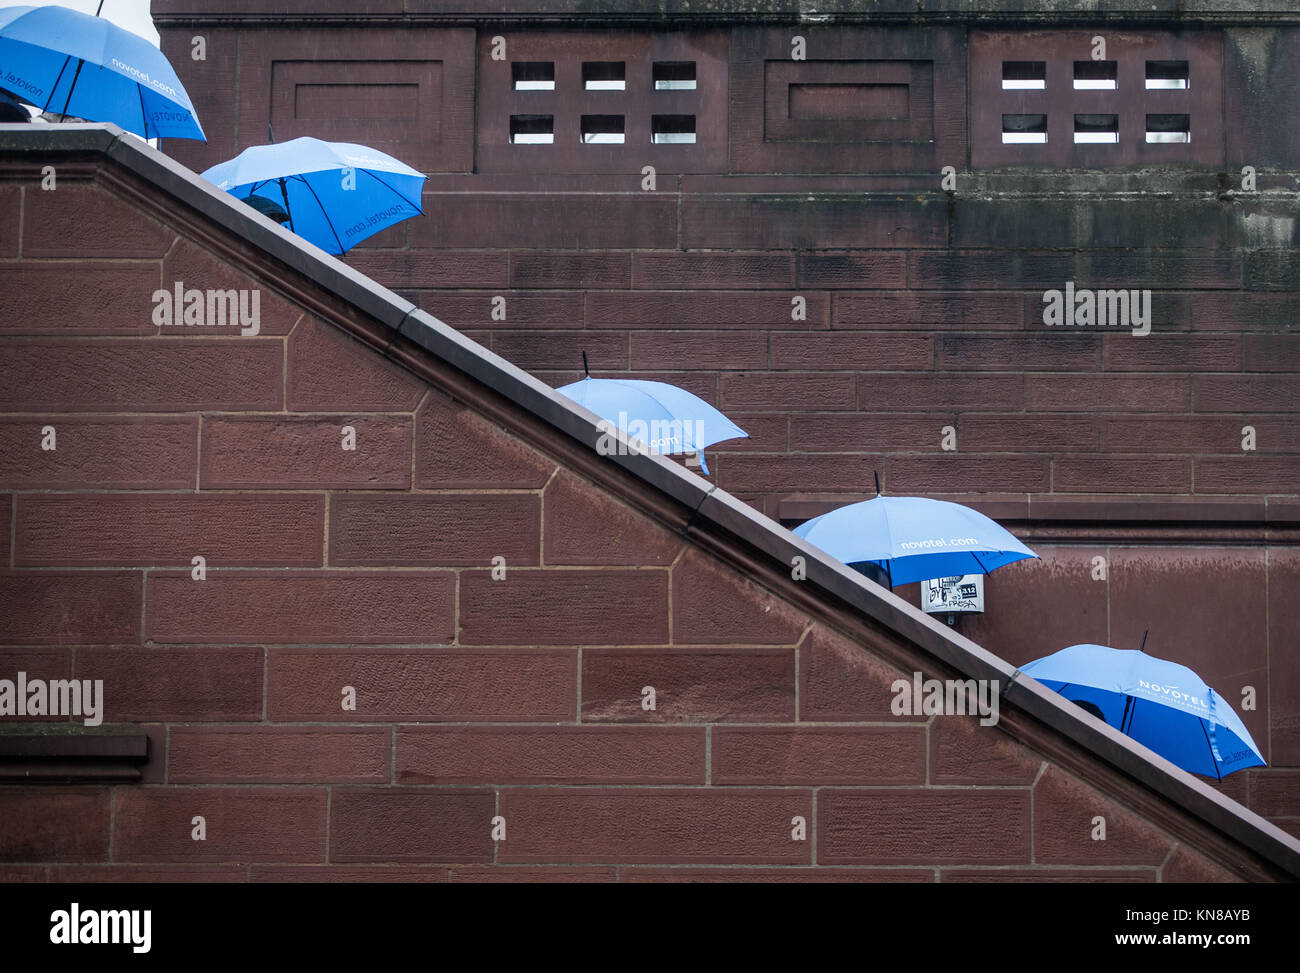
x,y
667,418
334,194
132,15
1162,705
71,63
913,538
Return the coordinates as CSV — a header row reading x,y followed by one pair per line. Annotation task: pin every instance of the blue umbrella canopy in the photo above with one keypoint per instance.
x,y
1162,705
71,63
667,418
914,538
132,15
334,194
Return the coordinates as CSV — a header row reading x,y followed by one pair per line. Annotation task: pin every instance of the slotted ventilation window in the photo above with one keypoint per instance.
x,y
674,75
1095,74
533,75
672,129
1167,74
1024,75
1024,129
1096,128
602,129
1133,108
532,129
1169,128
596,103
603,76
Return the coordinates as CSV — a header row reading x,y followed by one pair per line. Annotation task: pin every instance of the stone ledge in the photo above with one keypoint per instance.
x,y
809,14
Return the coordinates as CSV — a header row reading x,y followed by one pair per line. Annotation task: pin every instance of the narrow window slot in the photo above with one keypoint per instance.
x,y
1169,128
1167,74
603,76
674,75
1096,74
672,129
602,129
533,75
532,129
1024,75
1095,128
1024,129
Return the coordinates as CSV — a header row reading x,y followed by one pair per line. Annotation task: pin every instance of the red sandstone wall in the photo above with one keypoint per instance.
x,y
922,312
519,698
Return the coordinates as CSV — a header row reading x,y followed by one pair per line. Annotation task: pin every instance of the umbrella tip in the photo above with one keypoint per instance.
x,y
270,134
585,371
877,472
1144,639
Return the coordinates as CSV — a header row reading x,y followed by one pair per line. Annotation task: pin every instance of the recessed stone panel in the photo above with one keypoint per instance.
x,y
409,92
847,100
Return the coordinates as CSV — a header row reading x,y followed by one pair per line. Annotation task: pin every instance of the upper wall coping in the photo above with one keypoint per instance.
x,y
996,13
714,510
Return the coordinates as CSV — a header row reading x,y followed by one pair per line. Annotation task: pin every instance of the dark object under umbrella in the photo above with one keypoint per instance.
x,y
11,110
268,207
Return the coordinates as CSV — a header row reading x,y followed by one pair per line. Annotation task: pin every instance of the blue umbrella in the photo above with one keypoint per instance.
x,y
1162,705
335,194
74,64
667,418
913,538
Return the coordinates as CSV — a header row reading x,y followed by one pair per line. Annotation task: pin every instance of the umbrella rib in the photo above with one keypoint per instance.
x,y
393,191
889,540
144,115
1201,723
72,87
328,221
55,86
284,194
